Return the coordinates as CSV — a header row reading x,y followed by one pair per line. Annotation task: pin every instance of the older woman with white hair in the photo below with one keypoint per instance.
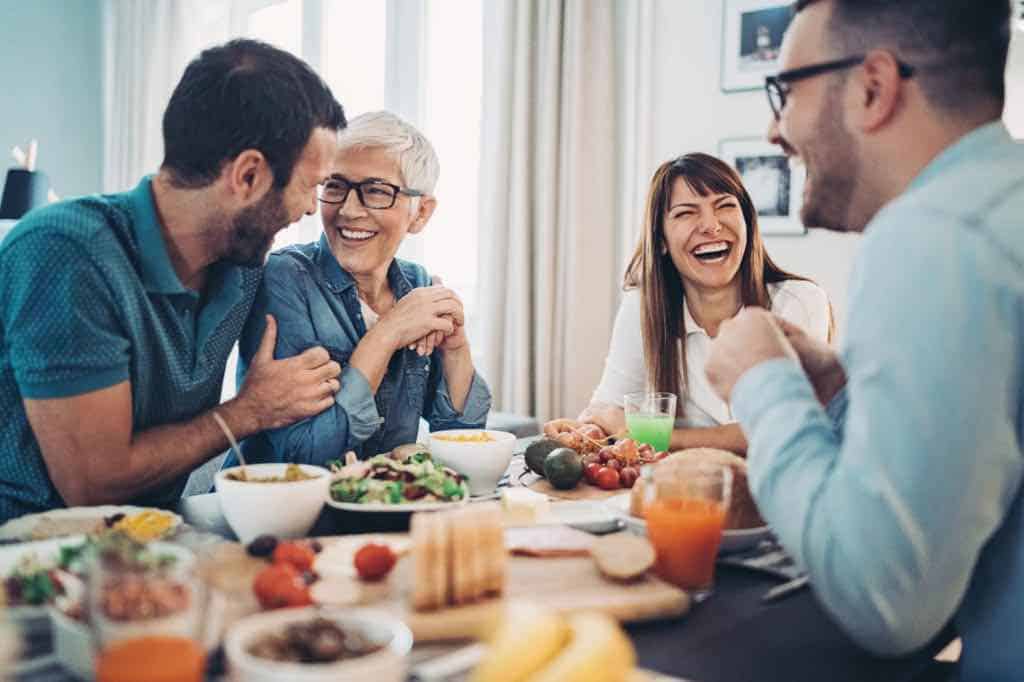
x,y
400,339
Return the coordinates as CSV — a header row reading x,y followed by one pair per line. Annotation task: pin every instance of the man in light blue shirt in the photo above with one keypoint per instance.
x,y
893,472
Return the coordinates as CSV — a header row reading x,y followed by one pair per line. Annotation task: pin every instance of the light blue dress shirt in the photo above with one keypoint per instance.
x,y
903,499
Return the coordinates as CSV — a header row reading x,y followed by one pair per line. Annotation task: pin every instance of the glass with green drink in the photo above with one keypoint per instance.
x,y
650,418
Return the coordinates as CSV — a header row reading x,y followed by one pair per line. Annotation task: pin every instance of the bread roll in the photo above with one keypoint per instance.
x,y
742,509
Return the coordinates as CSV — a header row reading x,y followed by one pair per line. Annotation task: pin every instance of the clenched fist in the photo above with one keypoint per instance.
x,y
745,341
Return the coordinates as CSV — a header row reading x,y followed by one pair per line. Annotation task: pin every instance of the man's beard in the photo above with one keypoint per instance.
x,y
836,166
253,229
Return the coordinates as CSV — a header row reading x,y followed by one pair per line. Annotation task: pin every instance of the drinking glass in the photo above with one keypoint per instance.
x,y
143,604
650,418
685,506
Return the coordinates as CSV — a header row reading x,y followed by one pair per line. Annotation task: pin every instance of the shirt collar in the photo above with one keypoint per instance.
x,y
994,134
339,280
689,324
158,275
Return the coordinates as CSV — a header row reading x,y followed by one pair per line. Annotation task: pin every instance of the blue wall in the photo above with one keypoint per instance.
x,y
51,89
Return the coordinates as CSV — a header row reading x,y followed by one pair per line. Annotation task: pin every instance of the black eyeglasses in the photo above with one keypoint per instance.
x,y
372,193
778,86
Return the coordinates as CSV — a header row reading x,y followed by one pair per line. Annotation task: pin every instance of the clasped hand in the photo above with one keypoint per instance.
x,y
755,336
426,318
743,342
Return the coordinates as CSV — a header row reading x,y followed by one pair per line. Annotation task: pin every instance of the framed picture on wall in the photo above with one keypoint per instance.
x,y
775,187
752,33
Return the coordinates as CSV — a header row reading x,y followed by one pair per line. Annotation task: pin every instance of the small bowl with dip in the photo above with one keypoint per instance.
x,y
481,455
272,499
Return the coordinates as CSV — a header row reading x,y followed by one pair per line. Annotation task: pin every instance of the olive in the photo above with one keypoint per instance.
x,y
262,546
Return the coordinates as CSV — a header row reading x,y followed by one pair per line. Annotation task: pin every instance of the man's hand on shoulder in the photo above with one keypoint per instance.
x,y
278,393
747,340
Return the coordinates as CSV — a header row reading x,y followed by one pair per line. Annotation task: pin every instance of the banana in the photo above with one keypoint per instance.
x,y
528,637
598,652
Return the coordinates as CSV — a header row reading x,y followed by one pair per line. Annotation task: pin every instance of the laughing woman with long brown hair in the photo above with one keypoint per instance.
x,y
699,260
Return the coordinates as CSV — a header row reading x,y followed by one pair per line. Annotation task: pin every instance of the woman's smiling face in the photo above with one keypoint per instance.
x,y
365,240
706,236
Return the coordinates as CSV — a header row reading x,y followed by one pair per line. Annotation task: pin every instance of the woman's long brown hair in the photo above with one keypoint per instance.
x,y
661,287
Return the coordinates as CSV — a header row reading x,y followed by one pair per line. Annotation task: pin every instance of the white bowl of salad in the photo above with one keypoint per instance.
x,y
396,482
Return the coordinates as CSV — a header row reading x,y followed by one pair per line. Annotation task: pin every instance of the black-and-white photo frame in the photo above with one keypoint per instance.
x,y
752,33
775,186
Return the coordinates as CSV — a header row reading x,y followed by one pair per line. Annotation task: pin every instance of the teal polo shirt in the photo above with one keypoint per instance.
x,y
88,299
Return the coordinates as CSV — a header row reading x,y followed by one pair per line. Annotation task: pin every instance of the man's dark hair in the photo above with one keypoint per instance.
x,y
958,47
242,95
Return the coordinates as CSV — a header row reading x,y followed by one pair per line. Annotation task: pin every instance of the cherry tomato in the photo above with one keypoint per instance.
x,y
628,476
297,554
607,478
590,472
374,561
280,585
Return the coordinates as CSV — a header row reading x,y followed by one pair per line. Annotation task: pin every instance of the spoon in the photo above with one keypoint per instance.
x,y
231,439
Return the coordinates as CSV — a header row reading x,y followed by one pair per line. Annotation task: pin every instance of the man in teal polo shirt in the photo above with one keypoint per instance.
x,y
118,312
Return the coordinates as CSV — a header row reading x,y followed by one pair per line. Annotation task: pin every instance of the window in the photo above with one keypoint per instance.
x,y
452,122
422,60
278,23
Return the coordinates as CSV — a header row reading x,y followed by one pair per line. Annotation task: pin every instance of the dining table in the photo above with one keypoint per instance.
x,y
732,636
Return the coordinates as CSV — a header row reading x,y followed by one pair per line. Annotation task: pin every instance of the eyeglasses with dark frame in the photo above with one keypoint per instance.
x,y
777,86
372,193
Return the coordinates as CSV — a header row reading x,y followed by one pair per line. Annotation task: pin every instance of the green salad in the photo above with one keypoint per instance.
x,y
384,479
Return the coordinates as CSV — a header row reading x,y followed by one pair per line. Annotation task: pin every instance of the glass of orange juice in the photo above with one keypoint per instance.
x,y
685,506
143,604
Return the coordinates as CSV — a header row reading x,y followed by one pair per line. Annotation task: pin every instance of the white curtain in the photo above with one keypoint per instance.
x,y
561,156
147,46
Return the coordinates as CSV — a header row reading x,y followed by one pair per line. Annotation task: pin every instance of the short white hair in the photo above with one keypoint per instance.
x,y
417,160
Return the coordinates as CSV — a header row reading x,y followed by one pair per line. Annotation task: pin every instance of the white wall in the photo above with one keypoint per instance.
x,y
691,113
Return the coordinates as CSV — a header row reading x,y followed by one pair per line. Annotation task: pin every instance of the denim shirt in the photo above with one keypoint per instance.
x,y
905,498
315,303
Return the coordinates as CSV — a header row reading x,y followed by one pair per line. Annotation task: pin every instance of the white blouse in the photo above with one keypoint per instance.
x,y
800,302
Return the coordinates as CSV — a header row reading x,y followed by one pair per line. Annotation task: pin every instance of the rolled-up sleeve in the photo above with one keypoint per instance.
x,y
354,417
919,448
441,414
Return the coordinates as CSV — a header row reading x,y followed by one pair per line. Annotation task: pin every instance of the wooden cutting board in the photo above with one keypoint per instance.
x,y
565,584
582,491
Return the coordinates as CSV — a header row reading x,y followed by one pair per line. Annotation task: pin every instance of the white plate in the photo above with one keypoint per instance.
x,y
48,552
22,527
589,515
732,540
407,507
381,507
